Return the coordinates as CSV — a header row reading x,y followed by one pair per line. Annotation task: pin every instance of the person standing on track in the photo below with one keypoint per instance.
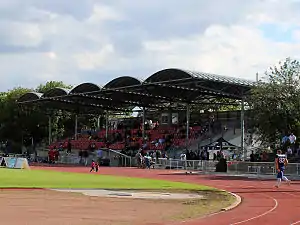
x,y
96,167
93,166
281,162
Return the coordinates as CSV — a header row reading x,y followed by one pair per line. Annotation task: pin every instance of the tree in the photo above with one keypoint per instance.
x,y
11,118
275,103
42,88
19,124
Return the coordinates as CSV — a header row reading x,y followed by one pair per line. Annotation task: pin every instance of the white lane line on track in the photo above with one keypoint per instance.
x,y
298,222
261,215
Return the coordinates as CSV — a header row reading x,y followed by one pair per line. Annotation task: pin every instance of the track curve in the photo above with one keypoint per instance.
x,y
262,204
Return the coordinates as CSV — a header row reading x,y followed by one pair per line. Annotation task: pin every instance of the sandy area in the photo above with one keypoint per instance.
x,y
133,194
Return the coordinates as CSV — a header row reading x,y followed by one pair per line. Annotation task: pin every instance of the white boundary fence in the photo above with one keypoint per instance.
x,y
235,167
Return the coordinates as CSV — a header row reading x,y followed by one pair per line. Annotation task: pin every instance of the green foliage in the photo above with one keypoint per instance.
x,y
10,115
19,123
275,103
42,88
217,104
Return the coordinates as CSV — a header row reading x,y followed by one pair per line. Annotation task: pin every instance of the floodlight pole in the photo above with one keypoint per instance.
x,y
76,126
49,130
106,125
143,125
243,129
187,124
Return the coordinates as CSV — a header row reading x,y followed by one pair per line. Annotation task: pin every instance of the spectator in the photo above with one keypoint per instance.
x,y
51,155
80,154
289,152
99,156
69,146
85,156
61,147
215,157
252,157
292,138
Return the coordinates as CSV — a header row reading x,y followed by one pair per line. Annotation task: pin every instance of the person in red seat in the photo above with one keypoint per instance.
x,y
56,155
51,155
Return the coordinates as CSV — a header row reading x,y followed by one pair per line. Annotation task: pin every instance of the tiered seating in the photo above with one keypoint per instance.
x,y
155,141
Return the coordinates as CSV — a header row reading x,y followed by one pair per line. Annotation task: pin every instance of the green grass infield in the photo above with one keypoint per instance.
x,y
10,178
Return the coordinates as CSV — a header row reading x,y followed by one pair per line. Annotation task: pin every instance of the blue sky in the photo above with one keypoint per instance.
x,y
276,33
98,40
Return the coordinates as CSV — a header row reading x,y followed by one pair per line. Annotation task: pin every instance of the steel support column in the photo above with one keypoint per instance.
x,y
143,121
244,152
98,123
187,124
76,127
49,130
106,125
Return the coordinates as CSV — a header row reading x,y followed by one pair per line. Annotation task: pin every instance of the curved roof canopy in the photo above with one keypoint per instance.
x,y
121,82
85,88
168,75
159,90
56,92
179,74
30,96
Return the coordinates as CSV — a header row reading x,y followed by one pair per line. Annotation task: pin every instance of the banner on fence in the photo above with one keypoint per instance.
x,y
21,163
10,162
14,163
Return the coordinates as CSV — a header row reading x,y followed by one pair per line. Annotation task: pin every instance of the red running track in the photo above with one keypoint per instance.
x,y
262,204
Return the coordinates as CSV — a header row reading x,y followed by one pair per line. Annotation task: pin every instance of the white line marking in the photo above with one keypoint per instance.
x,y
261,215
295,223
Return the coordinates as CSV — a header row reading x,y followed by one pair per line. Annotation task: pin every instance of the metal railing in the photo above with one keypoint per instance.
x,y
200,165
121,161
233,167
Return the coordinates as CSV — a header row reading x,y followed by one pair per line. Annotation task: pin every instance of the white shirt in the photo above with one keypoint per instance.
x,y
183,156
292,138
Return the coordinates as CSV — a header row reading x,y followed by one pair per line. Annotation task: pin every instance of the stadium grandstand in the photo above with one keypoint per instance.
x,y
166,117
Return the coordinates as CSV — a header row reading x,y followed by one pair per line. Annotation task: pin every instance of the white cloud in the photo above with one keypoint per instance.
x,y
21,33
42,40
103,13
231,50
94,60
51,55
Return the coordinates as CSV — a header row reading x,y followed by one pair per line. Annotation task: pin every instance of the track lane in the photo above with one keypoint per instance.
x,y
262,204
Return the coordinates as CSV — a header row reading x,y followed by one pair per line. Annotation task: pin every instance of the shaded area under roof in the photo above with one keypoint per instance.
x,y
162,89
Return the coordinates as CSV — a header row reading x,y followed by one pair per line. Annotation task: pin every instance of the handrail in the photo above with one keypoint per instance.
x,y
119,153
